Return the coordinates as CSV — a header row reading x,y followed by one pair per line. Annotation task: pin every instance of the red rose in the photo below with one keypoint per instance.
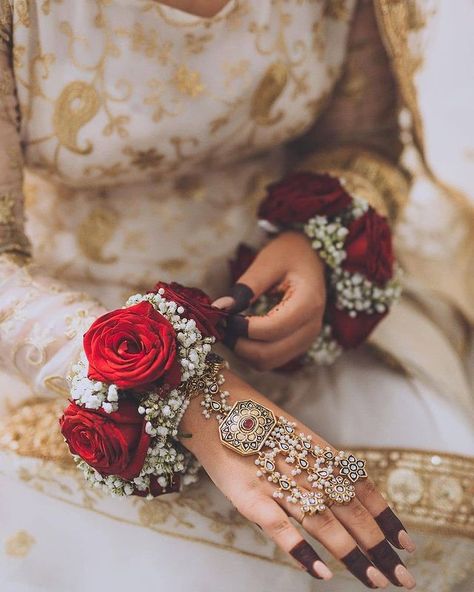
x,y
244,258
349,331
198,306
113,444
133,347
301,196
369,248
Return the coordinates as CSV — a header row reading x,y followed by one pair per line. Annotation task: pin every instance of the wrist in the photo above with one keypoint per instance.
x,y
198,433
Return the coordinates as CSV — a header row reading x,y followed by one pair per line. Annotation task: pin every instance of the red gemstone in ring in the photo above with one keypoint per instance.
x,y
248,423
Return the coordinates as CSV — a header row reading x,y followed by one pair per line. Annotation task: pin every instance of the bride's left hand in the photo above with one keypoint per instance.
x,y
289,265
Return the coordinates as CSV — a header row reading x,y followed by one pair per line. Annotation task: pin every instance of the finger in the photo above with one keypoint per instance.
x,y
362,526
239,299
264,273
266,356
237,326
303,301
289,252
327,529
388,521
275,522
304,553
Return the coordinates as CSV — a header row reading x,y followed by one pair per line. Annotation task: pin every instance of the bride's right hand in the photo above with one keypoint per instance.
x,y
356,533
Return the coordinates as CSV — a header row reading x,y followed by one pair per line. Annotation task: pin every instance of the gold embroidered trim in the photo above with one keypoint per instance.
x,y
33,430
5,23
430,490
7,208
366,174
395,21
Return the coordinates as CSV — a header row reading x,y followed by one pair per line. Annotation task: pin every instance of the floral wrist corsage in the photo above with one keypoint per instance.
x,y
354,241
130,390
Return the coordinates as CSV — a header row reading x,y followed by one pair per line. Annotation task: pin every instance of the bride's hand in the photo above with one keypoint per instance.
x,y
356,533
288,264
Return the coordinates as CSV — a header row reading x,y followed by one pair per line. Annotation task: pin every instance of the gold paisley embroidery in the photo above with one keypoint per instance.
x,y
144,159
95,231
7,83
77,104
46,5
113,170
337,9
19,544
30,354
7,208
5,22
268,91
57,384
396,18
22,12
197,43
188,81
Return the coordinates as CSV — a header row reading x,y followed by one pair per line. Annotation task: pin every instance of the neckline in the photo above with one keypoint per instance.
x,y
181,14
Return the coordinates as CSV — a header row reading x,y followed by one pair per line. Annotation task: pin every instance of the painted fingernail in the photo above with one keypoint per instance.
x,y
386,559
322,570
242,296
391,526
404,577
224,303
406,541
358,564
237,326
304,553
377,578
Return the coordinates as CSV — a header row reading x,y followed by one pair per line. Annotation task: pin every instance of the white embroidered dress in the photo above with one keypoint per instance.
x,y
148,135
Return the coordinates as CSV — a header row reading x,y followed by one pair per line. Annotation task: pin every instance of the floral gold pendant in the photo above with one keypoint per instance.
x,y
246,427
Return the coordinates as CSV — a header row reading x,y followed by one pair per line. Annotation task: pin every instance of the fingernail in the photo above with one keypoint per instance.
x,y
224,303
322,570
238,325
304,553
391,526
385,559
404,577
406,541
377,578
242,296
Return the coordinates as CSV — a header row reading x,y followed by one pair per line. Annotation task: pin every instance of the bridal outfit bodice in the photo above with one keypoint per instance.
x,y
148,135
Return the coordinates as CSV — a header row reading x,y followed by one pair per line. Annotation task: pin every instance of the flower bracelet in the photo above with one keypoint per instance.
x,y
131,387
355,243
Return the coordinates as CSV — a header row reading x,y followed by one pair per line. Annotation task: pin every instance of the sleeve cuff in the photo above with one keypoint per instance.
x,y
365,174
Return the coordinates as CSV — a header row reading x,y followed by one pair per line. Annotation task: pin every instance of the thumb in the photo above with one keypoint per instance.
x,y
264,273
239,299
